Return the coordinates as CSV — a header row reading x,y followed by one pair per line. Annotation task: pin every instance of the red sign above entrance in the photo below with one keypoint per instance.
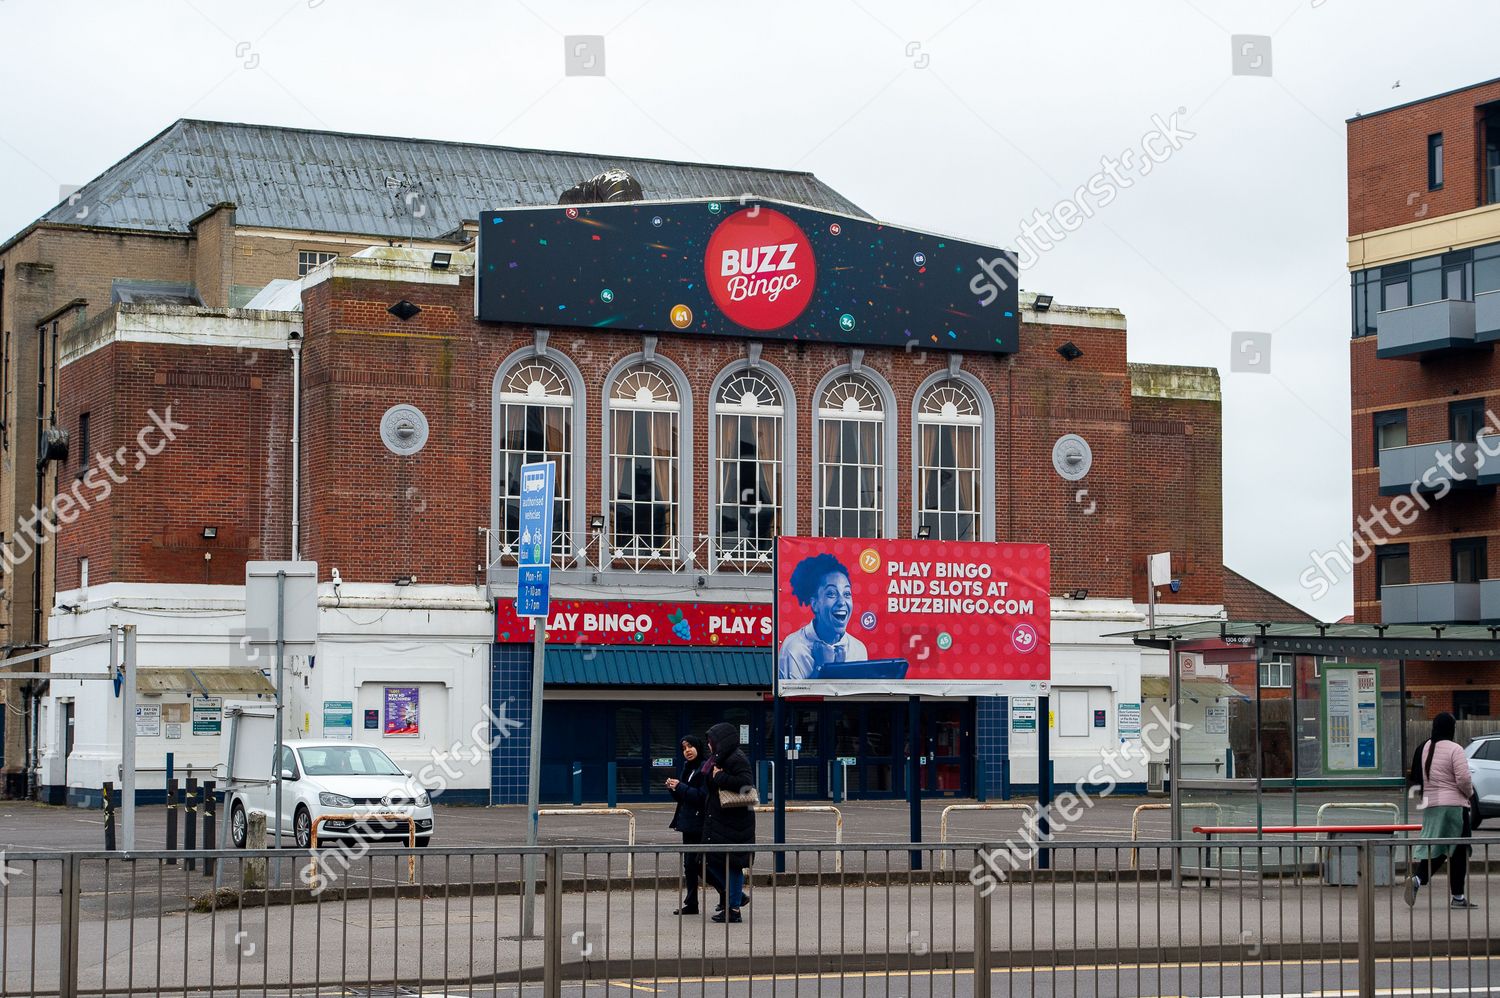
x,y
760,268
638,622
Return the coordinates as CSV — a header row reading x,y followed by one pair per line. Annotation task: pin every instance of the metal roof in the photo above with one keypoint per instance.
x,y
373,185
206,681
682,667
1426,642
1193,687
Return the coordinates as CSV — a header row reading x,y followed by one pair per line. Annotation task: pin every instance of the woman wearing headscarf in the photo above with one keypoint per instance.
x,y
1441,769
727,825
689,790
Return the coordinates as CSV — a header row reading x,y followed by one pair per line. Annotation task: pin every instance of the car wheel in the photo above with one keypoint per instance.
x,y
239,825
1476,813
302,828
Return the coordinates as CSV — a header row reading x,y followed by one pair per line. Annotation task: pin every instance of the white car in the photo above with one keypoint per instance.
x,y
345,783
1484,765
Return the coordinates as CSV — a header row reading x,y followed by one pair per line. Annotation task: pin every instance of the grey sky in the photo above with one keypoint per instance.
x,y
948,115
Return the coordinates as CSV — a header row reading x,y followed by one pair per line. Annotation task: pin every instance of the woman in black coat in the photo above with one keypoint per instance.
x,y
690,791
727,825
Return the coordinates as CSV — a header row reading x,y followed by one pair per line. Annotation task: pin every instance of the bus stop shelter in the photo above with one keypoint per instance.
x,y
1316,721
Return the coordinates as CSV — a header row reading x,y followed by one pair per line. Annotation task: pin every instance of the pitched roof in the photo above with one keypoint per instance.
x,y
1244,600
372,185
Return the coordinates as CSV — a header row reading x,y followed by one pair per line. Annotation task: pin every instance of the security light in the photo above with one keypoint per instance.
x,y
440,260
1070,351
209,533
1043,303
924,532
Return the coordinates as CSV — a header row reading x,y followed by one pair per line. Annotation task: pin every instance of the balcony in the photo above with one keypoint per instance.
x,y
1433,603
1418,331
1489,599
1486,317
1425,467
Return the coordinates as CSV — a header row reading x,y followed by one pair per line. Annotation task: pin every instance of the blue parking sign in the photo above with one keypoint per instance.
x,y
534,574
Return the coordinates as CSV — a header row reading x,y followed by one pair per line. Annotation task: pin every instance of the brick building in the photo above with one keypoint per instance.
x,y
1424,252
404,426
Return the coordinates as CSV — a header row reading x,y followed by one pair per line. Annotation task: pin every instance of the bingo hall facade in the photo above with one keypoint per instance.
x,y
709,370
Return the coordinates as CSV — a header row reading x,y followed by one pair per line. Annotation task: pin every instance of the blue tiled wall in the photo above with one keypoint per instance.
x,y
992,739
510,697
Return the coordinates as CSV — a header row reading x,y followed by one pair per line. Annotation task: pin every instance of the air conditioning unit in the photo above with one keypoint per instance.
x,y
1156,777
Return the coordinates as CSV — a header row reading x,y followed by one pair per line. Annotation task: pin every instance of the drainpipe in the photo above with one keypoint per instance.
x,y
294,343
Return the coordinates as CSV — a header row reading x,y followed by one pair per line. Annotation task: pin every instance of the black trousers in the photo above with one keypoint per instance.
x,y
1458,869
692,866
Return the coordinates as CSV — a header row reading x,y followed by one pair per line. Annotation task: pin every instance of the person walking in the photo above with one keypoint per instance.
x,y
731,823
1441,769
690,791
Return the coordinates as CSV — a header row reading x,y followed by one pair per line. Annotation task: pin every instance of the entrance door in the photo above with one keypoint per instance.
x,y
809,781
866,732
946,740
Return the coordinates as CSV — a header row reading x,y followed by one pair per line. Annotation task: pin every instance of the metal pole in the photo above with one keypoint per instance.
x,y
72,886
280,702
127,743
1044,778
913,774
552,939
1174,756
534,773
1401,731
1366,919
778,780
982,955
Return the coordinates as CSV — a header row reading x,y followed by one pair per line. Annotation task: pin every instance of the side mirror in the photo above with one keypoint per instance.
x,y
288,775
406,773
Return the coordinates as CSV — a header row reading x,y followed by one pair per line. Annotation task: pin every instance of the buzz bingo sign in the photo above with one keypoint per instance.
x,y
747,267
945,618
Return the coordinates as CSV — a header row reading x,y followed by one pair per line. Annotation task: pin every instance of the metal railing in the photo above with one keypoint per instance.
x,y
943,821
1135,819
997,922
838,823
610,811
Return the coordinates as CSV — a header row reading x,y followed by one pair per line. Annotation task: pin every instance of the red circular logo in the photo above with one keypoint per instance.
x,y
760,268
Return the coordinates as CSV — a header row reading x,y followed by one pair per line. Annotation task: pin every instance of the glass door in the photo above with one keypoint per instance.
x,y
808,777
944,742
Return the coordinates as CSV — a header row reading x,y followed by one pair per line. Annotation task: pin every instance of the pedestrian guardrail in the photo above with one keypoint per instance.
x,y
1135,818
994,922
838,823
943,821
628,814
1379,805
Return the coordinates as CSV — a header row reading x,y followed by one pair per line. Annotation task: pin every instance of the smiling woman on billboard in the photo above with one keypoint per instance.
x,y
821,583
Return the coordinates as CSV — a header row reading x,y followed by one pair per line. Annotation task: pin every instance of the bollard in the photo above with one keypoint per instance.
x,y
837,790
611,791
171,821
577,784
208,824
767,792
190,819
171,766
981,792
109,817
1005,778
253,871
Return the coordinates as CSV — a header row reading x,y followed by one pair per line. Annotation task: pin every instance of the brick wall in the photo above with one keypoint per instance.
x,y
1388,160
377,516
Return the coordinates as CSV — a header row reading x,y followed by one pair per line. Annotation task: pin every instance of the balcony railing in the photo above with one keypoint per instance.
x,y
1486,317
1424,467
1418,331
1432,603
739,556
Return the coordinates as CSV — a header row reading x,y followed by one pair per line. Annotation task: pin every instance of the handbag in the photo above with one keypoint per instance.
x,y
746,797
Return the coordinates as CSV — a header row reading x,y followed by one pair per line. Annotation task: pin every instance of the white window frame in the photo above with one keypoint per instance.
x,y
1284,665
677,547
778,469
832,420
887,520
310,260
972,423
508,400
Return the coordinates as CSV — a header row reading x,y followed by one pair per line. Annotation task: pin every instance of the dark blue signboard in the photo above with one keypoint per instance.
x,y
532,585
745,267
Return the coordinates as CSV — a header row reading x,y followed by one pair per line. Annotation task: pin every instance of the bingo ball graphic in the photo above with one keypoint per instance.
x,y
682,316
867,620
1023,638
869,560
944,641
835,228
571,212
759,268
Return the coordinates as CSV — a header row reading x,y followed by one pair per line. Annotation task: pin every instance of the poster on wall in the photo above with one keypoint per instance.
x,y
402,719
1023,713
147,720
944,618
338,719
208,715
1351,718
1128,717
1217,719
745,267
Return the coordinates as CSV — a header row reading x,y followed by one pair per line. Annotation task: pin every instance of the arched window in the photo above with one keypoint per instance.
x,y
949,470
748,415
536,424
851,459
645,414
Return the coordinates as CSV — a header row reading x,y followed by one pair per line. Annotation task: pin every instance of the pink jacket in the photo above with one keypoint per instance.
x,y
1450,784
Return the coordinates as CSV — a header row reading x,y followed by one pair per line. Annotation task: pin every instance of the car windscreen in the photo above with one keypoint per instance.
x,y
347,760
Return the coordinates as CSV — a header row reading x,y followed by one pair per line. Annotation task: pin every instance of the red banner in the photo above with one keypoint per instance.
x,y
906,616
638,622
